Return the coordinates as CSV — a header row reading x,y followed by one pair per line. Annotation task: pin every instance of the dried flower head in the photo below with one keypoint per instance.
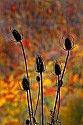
x,y
39,64
67,43
27,122
25,84
38,79
57,68
16,35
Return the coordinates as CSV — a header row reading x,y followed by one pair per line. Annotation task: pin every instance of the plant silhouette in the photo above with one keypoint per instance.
x,y
67,45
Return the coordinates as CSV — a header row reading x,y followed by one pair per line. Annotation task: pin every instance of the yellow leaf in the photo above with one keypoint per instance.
x,y
76,48
47,82
2,101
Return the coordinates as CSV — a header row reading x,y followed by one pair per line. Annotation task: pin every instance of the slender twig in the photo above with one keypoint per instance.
x,y
37,101
42,120
65,65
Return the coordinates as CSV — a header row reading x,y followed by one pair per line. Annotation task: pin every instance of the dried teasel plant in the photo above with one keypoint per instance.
x,y
67,43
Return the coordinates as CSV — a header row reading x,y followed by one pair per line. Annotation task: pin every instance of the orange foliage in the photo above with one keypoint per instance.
x,y
49,91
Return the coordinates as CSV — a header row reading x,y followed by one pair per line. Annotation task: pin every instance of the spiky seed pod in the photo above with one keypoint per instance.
x,y
68,44
57,68
25,84
39,64
27,122
38,79
16,35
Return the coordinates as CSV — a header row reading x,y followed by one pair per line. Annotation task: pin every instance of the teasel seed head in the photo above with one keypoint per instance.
x,y
39,64
38,79
57,68
27,122
16,35
68,44
25,84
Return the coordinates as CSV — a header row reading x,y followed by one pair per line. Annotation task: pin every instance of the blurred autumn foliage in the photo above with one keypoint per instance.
x,y
42,23
72,111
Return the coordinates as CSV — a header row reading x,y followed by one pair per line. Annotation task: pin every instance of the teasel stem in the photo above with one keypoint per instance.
x,y
58,89
31,101
59,103
42,120
29,107
65,65
56,100
27,76
24,58
37,101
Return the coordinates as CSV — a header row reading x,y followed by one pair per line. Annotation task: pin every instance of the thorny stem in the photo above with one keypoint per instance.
x,y
65,65
37,100
42,120
29,107
27,76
